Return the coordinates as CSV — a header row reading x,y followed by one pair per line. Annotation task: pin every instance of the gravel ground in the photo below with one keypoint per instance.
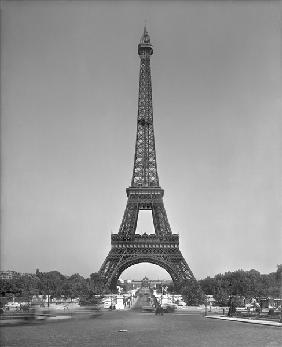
x,y
119,328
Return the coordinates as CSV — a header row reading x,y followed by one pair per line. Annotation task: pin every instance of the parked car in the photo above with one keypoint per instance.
x,y
148,308
167,308
181,303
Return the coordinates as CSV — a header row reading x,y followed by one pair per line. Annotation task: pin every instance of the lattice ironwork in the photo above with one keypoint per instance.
x,y
157,251
145,164
161,248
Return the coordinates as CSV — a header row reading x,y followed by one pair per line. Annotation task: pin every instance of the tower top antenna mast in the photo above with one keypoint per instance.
x,y
145,48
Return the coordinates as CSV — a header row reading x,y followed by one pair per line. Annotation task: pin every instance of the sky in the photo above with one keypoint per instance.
x,y
69,91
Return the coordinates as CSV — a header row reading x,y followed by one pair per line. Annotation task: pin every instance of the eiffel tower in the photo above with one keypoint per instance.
x,y
145,193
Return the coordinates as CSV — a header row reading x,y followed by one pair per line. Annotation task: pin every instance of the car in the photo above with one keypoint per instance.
x,y
148,309
169,307
181,303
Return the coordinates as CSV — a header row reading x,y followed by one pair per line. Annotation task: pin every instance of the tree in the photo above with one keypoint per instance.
x,y
221,296
209,285
8,289
51,283
75,286
279,279
192,293
97,283
171,288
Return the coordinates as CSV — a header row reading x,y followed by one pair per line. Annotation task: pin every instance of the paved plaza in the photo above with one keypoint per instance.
x,y
127,329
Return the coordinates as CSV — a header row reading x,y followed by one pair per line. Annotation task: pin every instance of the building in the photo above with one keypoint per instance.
x,y
8,275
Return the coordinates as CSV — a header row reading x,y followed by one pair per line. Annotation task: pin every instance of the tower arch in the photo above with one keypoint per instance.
x,y
127,263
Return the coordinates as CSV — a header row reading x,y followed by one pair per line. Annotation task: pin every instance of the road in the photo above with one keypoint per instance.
x,y
144,298
128,329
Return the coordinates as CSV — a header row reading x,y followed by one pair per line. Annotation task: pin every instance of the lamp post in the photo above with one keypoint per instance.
x,y
279,272
206,305
230,302
48,294
111,300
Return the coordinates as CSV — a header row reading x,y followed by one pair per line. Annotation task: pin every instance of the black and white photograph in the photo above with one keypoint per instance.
x,y
141,173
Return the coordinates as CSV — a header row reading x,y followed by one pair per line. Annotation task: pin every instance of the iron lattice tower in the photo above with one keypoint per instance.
x,y
145,193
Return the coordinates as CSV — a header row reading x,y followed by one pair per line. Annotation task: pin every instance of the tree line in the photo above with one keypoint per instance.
x,y
25,286
242,283
247,284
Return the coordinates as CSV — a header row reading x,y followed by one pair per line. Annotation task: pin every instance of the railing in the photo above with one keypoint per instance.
x,y
174,238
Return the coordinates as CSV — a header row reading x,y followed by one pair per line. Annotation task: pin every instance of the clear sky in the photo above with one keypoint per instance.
x,y
69,77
